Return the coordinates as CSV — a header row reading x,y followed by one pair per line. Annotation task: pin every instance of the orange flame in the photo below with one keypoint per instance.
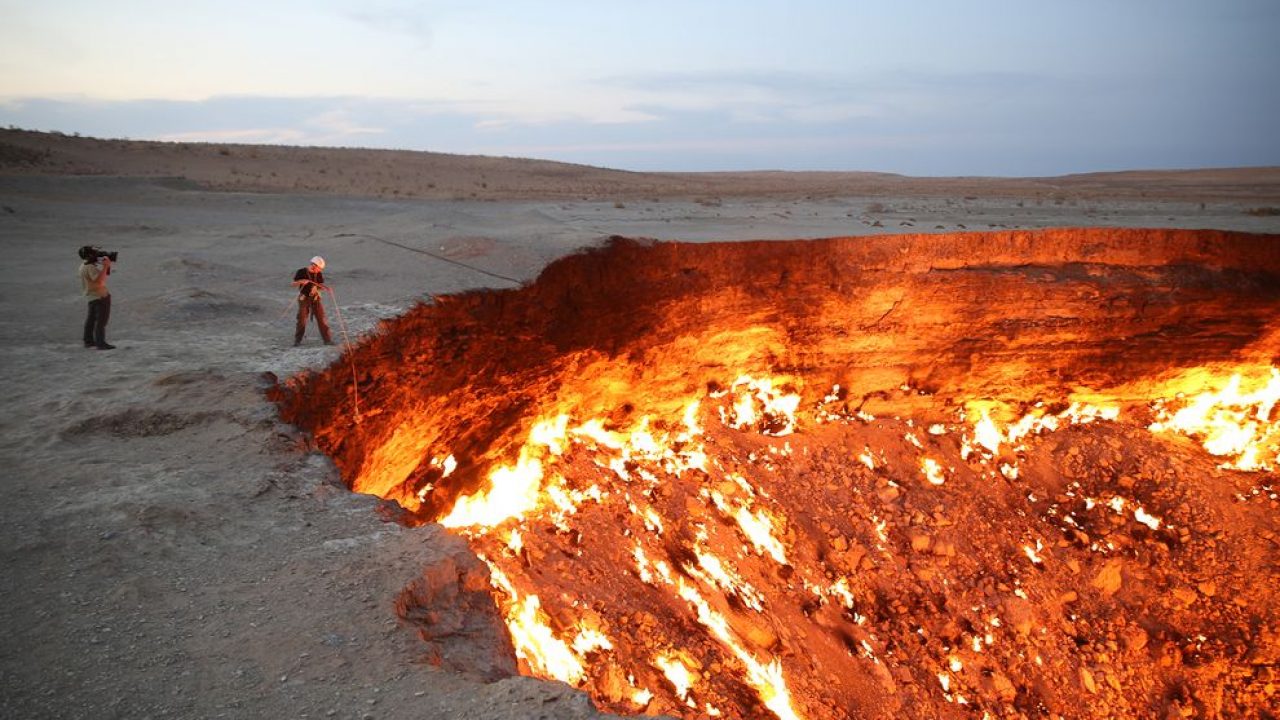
x,y
1232,418
1232,422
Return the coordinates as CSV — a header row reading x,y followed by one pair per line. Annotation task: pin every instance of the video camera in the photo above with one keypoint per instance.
x,y
90,253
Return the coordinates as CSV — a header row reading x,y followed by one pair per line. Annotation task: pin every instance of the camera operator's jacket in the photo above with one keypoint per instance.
x,y
94,281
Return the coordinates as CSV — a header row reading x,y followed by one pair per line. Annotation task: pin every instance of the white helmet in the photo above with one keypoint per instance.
x,y
318,262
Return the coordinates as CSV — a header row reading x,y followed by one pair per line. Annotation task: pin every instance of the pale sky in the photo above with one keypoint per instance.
x,y
921,87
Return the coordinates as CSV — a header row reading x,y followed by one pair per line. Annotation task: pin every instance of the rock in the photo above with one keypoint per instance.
x,y
1108,579
643,620
754,631
1184,596
853,557
694,506
888,493
1134,638
1020,615
451,605
1086,679
999,685
1207,588
920,541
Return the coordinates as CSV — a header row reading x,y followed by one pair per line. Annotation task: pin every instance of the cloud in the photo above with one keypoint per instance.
x,y
339,122
972,129
405,19
817,98
250,136
826,85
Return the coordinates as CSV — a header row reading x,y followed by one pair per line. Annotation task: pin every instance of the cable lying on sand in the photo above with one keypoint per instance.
x,y
428,253
351,355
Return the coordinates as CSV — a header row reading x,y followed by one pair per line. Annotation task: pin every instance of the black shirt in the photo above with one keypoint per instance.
x,y
306,274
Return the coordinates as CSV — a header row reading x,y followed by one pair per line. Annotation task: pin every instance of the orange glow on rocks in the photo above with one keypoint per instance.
x,y
1024,473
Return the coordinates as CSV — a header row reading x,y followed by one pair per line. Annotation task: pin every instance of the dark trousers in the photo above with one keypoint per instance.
x,y
311,305
95,325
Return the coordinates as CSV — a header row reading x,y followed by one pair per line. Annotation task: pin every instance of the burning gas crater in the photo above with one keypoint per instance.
x,y
988,475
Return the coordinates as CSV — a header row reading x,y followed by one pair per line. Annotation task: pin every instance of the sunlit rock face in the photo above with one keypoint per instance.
x,y
933,475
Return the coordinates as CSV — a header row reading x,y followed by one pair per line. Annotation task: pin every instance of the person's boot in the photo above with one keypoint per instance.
x,y
105,346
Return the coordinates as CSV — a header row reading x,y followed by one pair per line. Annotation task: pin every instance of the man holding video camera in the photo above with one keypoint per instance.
x,y
93,279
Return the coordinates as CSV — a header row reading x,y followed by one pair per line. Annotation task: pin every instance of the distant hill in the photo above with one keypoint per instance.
x,y
414,174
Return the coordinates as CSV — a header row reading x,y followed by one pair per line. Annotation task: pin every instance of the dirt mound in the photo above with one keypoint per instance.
x,y
140,422
956,473
190,305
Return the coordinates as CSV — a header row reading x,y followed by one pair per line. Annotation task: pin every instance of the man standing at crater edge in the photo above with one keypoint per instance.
x,y
310,283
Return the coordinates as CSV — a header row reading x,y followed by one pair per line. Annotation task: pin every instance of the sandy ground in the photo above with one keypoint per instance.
x,y
171,549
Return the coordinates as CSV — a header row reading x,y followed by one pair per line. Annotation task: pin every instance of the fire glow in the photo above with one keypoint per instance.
x,y
521,492
768,495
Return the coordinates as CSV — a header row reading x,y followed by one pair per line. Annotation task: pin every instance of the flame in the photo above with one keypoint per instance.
x,y
1033,554
866,459
766,678
1237,420
532,636
677,673
1146,518
986,433
1233,418
759,530
932,471
591,640
513,492
756,525
713,571
777,410
642,697
594,430
1232,422
841,590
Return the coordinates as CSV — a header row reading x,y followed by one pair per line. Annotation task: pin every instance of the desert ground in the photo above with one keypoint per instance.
x,y
173,550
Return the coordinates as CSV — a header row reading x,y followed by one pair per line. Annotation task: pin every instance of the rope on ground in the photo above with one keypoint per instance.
x,y
433,255
293,304
351,355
